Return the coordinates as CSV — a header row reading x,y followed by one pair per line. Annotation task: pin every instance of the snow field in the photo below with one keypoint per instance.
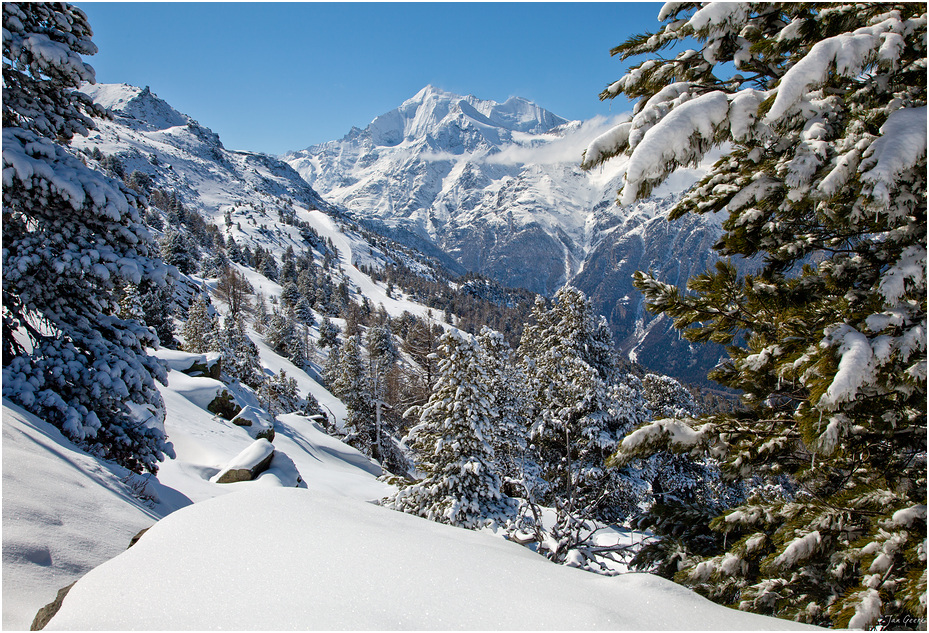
x,y
327,562
65,512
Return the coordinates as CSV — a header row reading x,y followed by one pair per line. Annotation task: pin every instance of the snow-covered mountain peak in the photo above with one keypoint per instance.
x,y
144,109
498,188
458,123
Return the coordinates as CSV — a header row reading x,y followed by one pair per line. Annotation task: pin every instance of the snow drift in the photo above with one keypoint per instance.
x,y
296,559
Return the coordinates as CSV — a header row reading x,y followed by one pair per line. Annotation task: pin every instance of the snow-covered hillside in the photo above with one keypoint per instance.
x,y
65,512
146,134
251,555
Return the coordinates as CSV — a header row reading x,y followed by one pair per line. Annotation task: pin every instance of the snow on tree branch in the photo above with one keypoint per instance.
x,y
901,145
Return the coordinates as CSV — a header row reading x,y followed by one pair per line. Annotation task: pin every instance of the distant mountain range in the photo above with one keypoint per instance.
x,y
498,188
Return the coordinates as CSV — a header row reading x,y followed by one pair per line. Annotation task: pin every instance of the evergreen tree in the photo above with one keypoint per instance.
x,y
297,343
350,385
177,250
510,432
239,354
304,312
290,295
382,360
130,304
199,329
268,267
825,185
278,332
328,333
216,263
461,486
582,411
331,367
71,237
282,394
158,308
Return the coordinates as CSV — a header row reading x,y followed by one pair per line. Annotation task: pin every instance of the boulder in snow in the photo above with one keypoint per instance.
x,y
209,365
47,612
248,464
259,424
224,405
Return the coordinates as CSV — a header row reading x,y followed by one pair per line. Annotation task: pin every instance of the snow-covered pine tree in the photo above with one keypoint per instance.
x,y
130,303
509,434
239,354
382,360
71,237
582,411
290,295
278,331
452,437
328,333
283,394
199,329
179,250
304,312
158,306
351,386
823,108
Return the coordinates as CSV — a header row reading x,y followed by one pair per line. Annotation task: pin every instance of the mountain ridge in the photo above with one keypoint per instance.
x,y
514,205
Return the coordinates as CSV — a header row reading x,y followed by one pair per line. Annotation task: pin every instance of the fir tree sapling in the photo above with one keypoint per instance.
x,y
824,184
71,238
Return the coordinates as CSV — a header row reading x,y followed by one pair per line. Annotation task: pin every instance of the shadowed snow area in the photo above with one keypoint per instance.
x,y
64,512
297,559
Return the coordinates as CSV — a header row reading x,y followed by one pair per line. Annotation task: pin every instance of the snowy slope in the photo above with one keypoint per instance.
x,y
65,512
294,559
148,135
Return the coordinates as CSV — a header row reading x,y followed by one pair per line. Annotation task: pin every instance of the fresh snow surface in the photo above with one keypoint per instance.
x,y
65,512
296,559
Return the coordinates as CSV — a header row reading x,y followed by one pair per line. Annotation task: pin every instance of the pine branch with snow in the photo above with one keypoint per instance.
x,y
73,239
823,184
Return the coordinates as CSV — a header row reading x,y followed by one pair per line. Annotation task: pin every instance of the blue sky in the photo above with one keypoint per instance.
x,y
273,77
